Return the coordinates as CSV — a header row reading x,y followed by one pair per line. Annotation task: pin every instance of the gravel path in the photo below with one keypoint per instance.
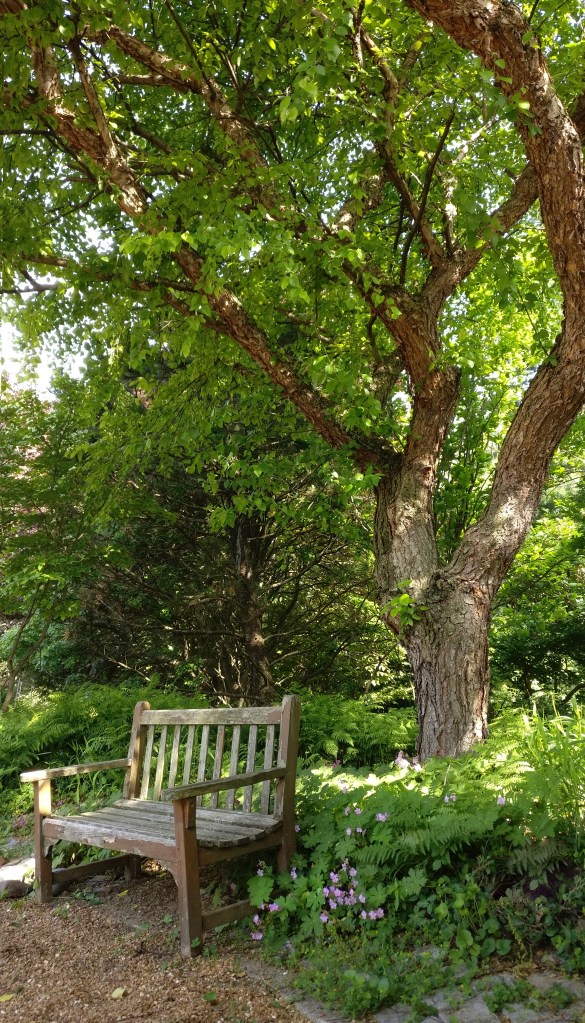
x,y
109,953
119,960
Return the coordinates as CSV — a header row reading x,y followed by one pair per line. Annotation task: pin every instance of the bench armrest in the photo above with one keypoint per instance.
x,y
73,769
237,781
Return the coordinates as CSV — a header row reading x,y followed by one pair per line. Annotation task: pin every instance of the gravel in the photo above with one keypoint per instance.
x,y
118,960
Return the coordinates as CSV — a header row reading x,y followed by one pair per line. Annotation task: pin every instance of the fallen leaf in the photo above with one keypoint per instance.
x,y
120,894
6,998
119,992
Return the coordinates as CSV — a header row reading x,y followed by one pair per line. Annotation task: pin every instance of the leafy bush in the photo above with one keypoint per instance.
x,y
473,857
87,724
349,732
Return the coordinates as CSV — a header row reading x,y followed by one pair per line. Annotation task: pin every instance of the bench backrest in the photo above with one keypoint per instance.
x,y
178,747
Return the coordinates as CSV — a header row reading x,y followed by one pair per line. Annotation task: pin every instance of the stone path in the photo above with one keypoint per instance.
x,y
445,1006
450,1006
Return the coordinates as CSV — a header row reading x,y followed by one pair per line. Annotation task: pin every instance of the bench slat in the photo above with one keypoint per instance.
x,y
235,752
268,758
188,755
225,716
174,755
160,763
203,751
147,762
217,761
250,763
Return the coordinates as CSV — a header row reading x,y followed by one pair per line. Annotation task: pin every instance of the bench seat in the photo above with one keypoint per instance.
x,y
144,823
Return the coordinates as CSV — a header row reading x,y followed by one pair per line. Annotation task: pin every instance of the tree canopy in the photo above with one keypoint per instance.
x,y
339,202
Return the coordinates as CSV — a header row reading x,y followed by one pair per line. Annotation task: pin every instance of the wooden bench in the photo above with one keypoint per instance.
x,y
194,794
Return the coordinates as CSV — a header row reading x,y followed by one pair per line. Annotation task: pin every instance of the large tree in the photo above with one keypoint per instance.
x,y
344,195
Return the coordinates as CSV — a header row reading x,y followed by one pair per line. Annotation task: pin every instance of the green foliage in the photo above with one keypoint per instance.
x,y
351,732
88,724
476,857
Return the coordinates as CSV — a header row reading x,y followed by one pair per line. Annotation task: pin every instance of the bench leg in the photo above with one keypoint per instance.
x,y
187,878
287,850
43,861
133,868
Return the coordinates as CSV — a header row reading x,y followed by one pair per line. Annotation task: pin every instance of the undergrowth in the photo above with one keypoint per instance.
x,y
406,876
469,859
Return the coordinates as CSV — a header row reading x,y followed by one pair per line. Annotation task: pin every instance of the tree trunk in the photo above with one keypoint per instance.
x,y
448,651
444,625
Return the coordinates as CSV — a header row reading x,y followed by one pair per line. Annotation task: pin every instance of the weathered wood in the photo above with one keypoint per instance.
x,y
225,716
160,763
284,800
250,762
186,875
73,769
43,872
268,760
171,826
234,755
203,751
147,762
227,914
237,782
217,760
174,755
216,854
135,751
63,875
188,755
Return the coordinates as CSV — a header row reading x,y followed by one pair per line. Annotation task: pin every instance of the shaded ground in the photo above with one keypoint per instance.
x,y
119,960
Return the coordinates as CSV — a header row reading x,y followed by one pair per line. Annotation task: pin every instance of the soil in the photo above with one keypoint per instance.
x,y
108,952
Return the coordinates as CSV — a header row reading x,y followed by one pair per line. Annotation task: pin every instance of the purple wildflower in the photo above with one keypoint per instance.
x,y
324,917
348,832
332,904
352,872
260,872
293,873
297,828
273,907
357,810
362,897
256,935
364,915
382,817
334,877
501,800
